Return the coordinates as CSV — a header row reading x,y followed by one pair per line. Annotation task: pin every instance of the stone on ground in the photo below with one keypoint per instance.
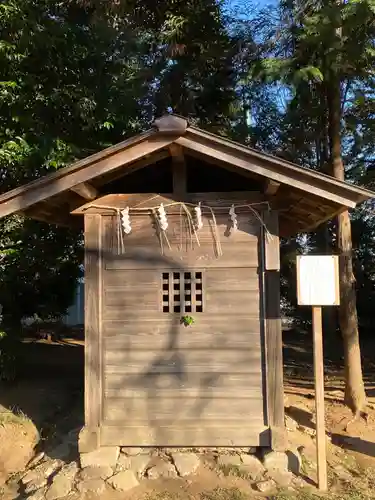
x,y
162,470
35,485
95,472
106,455
228,460
94,486
307,430
37,495
282,478
139,463
35,460
185,463
123,481
132,451
299,482
45,469
253,466
62,482
18,438
275,460
265,486
124,462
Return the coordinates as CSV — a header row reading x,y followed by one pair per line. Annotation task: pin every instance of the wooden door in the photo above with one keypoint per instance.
x,y
167,384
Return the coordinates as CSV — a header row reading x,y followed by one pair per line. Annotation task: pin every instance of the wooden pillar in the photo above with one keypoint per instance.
x,y
89,438
178,170
319,398
273,332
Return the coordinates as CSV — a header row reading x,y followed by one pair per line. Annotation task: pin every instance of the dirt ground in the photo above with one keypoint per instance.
x,y
46,402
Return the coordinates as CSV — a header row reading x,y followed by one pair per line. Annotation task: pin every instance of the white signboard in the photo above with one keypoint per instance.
x,y
318,280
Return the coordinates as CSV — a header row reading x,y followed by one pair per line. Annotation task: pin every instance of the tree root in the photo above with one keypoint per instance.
x,y
356,416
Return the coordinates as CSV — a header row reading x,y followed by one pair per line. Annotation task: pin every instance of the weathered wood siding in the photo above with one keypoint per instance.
x,y
165,384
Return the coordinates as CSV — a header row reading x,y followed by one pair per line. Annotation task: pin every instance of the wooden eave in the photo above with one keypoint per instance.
x,y
303,197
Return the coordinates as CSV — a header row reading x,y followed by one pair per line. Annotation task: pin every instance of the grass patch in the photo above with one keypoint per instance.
x,y
14,416
163,495
350,494
224,494
233,470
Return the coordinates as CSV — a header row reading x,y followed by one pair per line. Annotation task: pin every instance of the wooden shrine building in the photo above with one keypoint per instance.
x,y
183,341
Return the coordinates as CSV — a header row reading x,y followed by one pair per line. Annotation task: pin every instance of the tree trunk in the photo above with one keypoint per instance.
x,y
355,396
323,235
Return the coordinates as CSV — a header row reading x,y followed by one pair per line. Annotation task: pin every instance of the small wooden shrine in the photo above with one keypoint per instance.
x,y
183,339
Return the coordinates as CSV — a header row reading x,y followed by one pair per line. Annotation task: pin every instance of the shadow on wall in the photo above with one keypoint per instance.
x,y
145,377
49,389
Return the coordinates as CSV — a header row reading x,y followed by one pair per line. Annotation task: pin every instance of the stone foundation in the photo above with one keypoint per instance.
x,y
122,469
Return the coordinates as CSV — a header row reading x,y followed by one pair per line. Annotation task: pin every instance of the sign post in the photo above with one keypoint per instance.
x,y
317,286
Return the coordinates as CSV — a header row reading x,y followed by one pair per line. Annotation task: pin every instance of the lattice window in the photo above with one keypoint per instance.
x,y
182,291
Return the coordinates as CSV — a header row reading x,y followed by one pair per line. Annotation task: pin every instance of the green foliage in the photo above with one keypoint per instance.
x,y
77,76
187,320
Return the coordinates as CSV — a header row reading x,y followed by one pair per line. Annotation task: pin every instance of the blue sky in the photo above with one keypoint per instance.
x,y
245,9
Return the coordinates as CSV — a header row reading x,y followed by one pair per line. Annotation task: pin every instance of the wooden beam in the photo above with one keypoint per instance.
x,y
272,329
93,300
86,191
178,169
21,198
294,176
331,186
271,187
44,213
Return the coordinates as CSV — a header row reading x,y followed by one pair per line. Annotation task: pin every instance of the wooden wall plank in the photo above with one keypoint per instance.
x,y
123,338
150,258
207,322
223,385
119,410
93,355
207,360
119,305
185,434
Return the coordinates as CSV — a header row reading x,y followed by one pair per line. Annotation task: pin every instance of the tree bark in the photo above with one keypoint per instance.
x,y
355,396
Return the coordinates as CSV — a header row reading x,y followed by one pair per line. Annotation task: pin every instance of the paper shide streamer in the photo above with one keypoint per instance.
x,y
163,222
193,214
233,218
125,220
198,222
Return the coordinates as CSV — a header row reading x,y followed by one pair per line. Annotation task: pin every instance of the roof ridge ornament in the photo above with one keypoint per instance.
x,y
171,124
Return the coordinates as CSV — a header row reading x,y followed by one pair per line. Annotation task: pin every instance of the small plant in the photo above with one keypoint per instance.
x,y
187,320
233,470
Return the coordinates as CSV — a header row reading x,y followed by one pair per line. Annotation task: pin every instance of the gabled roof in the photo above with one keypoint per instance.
x,y
313,196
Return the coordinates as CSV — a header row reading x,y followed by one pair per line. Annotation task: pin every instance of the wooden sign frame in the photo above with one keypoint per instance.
x,y
324,271
326,263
